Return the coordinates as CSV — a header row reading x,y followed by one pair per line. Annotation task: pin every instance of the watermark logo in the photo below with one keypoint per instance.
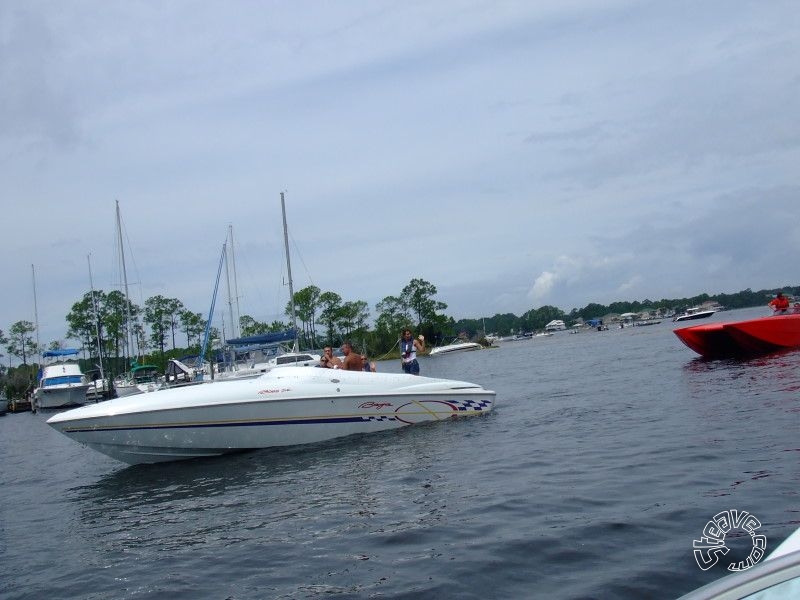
x,y
711,546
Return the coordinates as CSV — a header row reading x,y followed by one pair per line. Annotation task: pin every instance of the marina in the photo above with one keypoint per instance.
x,y
601,198
587,483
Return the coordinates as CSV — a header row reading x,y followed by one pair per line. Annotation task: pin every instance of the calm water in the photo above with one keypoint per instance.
x,y
606,455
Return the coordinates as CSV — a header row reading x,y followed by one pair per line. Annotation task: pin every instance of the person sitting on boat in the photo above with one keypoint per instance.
x,y
780,303
328,360
353,361
369,365
408,352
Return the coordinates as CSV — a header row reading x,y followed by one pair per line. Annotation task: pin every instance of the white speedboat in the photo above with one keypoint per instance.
x,y
693,313
283,407
61,382
455,347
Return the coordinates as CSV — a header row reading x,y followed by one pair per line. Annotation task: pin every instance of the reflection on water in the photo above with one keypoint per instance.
x,y
378,483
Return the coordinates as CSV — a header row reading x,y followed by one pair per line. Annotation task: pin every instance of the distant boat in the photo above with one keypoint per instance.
x,y
740,339
61,382
140,379
555,325
454,347
696,312
646,322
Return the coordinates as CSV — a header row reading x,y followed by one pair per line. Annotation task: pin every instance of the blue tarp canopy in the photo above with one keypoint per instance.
x,y
263,338
64,352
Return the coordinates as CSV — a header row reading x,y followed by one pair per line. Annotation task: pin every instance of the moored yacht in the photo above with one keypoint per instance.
x,y
61,382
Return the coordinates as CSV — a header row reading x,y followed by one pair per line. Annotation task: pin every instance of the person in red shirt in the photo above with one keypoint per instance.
x,y
780,303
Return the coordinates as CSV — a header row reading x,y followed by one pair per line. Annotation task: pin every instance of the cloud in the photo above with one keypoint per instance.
x,y
509,153
543,285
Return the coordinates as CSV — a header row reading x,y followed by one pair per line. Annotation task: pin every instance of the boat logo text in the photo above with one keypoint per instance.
x,y
375,405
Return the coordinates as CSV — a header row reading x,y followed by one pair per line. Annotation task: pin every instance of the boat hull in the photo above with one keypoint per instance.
x,y
288,406
741,339
453,348
61,396
704,314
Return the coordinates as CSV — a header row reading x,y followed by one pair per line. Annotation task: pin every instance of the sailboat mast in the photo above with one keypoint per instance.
x,y
238,330
35,310
230,299
207,331
128,332
96,320
296,347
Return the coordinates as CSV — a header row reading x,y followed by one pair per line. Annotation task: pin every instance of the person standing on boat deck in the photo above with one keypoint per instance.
x,y
408,351
779,303
328,360
353,361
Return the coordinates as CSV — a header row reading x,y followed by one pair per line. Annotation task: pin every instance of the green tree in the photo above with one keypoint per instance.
x,y
81,321
306,304
537,318
173,309
418,295
353,316
393,315
331,305
157,316
114,312
3,342
193,325
20,342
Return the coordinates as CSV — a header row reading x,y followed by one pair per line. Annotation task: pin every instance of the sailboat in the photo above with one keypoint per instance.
x,y
264,352
141,378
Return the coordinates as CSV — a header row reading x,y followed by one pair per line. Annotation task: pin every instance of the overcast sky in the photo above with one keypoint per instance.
x,y
514,154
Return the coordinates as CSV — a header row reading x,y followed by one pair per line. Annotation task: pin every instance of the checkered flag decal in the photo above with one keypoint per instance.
x,y
379,418
473,404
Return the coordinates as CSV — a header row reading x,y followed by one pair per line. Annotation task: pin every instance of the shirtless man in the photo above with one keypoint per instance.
x,y
328,360
353,361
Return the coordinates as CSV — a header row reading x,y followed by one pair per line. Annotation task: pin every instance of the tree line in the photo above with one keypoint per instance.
x,y
114,330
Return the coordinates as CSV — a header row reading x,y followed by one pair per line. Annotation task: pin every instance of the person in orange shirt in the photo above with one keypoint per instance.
x,y
780,303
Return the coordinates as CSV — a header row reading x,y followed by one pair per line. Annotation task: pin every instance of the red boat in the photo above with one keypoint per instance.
x,y
741,339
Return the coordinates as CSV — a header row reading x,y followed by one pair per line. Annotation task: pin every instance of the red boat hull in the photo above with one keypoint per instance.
x,y
741,339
